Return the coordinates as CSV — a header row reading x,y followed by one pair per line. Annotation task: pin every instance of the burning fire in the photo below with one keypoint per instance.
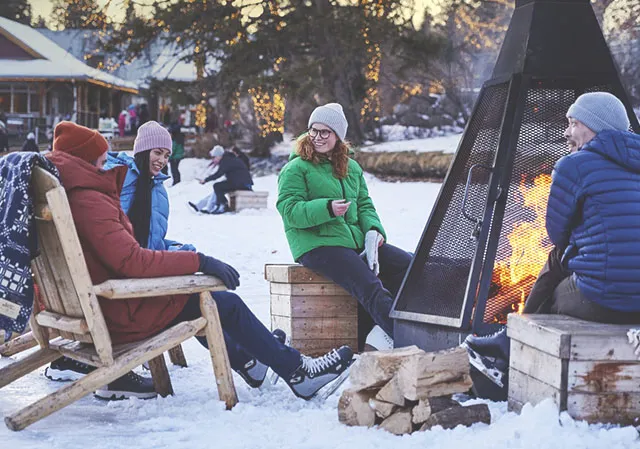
x,y
514,276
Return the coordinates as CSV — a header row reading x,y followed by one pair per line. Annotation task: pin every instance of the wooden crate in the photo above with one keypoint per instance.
x,y
247,199
588,369
316,314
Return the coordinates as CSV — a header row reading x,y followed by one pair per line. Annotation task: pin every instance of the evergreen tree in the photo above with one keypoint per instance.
x,y
18,10
78,14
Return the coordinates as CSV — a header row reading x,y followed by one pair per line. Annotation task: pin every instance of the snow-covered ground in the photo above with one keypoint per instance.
x,y
272,418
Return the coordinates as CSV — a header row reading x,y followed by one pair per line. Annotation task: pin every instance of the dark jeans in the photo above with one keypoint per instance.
x,y
346,268
556,292
223,187
245,336
175,173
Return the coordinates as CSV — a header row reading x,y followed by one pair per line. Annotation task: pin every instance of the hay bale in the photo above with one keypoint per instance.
x,y
406,164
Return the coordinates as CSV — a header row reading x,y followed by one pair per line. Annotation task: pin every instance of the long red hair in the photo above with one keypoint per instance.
x,y
339,156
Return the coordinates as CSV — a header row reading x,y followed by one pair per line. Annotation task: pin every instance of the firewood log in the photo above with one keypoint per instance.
x,y
391,392
399,423
382,409
455,416
376,368
354,409
426,407
435,374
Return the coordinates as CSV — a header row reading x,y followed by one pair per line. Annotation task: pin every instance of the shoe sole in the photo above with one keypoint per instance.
x,y
326,391
62,375
109,395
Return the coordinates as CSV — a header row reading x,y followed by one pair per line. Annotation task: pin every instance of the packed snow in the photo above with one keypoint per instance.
x,y
272,417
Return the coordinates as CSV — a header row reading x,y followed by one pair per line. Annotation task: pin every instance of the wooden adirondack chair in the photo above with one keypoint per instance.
x,y
72,323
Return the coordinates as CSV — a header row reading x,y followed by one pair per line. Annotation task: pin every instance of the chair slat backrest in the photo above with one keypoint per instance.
x,y
60,269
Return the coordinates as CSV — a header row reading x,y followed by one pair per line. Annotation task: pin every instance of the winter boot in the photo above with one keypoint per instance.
x,y
254,372
66,369
378,340
128,386
315,373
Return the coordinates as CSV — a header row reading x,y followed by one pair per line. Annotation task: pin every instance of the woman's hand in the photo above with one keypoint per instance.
x,y
201,181
339,207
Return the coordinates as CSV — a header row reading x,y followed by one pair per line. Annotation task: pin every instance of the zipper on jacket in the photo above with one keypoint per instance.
x,y
344,196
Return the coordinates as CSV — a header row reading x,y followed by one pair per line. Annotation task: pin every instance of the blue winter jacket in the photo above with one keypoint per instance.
x,y
594,211
159,200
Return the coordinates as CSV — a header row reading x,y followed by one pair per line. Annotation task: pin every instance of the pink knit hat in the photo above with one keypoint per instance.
x,y
151,135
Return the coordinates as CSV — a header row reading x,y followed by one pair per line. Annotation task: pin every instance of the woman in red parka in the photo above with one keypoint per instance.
x,y
112,252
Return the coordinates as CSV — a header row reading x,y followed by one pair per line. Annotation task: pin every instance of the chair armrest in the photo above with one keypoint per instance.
x,y
170,285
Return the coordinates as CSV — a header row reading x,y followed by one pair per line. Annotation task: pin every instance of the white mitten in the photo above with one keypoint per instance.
x,y
372,240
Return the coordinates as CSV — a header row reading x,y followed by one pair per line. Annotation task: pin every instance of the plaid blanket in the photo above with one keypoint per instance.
x,y
18,240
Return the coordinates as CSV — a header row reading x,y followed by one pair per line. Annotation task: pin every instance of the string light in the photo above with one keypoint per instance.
x,y
268,108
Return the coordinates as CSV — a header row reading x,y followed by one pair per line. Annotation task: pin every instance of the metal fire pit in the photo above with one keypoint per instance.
x,y
488,219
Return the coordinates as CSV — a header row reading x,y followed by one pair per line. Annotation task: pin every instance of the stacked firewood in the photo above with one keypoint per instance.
x,y
408,389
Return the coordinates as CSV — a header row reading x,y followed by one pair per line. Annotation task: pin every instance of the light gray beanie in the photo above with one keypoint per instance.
x,y
216,151
152,135
600,111
332,115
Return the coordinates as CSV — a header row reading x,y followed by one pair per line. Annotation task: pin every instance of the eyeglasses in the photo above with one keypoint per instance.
x,y
323,133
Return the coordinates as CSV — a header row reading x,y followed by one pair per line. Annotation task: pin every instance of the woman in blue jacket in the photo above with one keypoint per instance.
x,y
144,198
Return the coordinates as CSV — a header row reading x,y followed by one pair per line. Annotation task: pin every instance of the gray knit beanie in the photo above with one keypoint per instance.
x,y
217,151
152,135
600,111
332,115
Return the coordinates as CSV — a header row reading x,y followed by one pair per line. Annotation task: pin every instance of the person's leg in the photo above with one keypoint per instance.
x,y
238,357
245,336
394,263
553,272
346,268
175,172
220,189
568,300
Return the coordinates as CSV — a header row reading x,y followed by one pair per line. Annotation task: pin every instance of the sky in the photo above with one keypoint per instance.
x,y
116,8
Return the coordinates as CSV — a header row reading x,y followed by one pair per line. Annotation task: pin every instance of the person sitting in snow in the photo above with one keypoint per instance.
x,y
30,144
330,222
236,172
594,202
111,251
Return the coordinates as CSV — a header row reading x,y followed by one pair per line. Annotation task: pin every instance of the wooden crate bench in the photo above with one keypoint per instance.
x,y
247,199
588,369
316,314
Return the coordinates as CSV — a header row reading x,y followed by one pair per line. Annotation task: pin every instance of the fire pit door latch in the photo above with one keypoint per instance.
x,y
475,234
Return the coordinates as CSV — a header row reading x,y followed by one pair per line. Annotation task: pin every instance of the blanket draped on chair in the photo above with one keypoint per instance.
x,y
18,240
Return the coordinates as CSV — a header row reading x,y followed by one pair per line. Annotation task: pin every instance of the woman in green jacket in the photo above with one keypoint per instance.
x,y
332,225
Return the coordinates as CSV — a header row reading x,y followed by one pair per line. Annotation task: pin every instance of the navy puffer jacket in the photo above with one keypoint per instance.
x,y
594,211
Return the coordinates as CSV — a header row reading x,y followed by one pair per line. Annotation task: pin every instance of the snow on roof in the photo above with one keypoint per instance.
x,y
57,63
161,60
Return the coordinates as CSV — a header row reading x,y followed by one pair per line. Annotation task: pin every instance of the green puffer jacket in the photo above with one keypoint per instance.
x,y
305,191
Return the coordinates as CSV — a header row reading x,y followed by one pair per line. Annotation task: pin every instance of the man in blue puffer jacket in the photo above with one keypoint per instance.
x,y
593,219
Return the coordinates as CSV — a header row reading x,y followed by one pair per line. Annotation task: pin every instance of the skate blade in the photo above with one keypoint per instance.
x,y
326,391
484,365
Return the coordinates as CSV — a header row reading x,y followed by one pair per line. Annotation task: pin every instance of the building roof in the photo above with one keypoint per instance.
x,y
160,60
50,61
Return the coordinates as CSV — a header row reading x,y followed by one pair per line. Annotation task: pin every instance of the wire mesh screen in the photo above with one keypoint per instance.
x,y
523,245
436,284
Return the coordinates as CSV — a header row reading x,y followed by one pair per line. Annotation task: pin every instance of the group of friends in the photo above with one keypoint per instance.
x,y
120,209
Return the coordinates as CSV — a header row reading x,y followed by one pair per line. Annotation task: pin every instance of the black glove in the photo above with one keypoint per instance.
x,y
214,267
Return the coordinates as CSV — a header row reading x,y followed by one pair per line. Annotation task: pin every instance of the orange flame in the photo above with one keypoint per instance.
x,y
515,275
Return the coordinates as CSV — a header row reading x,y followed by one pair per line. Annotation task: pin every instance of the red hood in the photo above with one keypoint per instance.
x,y
76,173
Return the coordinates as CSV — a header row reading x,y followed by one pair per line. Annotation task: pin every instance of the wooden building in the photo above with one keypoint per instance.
x,y
41,84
